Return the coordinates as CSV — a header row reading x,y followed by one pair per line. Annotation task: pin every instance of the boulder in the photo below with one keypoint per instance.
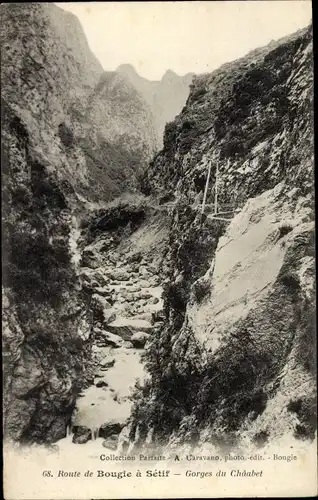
x,y
101,276
110,429
144,283
110,339
91,259
102,309
144,316
81,434
107,363
135,258
111,443
152,268
109,272
89,278
100,344
99,302
120,275
139,339
103,291
126,327
109,316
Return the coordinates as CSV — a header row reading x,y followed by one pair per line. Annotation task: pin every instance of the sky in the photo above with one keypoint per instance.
x,y
184,36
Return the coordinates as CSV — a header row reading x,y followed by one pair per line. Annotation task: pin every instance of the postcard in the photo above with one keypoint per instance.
x,y
158,250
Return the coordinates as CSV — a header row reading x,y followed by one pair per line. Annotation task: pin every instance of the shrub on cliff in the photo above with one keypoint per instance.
x,y
201,288
36,268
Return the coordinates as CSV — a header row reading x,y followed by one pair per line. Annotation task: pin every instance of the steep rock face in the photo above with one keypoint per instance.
x,y
116,129
249,114
166,97
57,86
46,323
47,328
233,364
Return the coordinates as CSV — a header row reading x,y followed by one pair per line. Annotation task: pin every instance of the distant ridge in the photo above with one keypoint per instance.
x,y
166,97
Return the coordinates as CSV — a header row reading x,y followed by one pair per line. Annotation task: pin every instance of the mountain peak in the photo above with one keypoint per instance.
x,y
169,75
127,68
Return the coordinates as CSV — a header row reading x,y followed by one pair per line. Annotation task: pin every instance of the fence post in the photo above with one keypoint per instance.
x,y
216,189
206,188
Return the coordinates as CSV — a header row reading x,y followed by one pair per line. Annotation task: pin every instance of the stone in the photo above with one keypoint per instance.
x,y
110,339
121,275
101,383
135,258
144,283
102,309
130,298
143,270
154,300
144,316
81,434
109,316
139,339
126,327
90,258
127,344
101,276
103,291
111,443
113,258
99,302
107,363
110,429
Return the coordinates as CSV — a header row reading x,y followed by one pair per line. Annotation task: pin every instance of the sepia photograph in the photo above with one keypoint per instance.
x,y
158,250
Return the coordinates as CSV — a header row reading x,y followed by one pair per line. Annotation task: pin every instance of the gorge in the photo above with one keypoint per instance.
x,y
129,317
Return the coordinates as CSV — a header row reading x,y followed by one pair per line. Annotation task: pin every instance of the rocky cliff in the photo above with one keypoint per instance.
x,y
233,364
70,133
46,322
166,97
81,119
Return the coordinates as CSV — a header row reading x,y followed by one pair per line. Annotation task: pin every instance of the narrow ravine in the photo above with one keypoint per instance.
x,y
126,300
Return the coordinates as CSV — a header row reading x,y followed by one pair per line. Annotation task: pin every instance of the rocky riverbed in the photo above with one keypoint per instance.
x,y
126,301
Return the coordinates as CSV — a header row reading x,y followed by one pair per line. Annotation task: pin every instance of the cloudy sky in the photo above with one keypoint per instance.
x,y
184,36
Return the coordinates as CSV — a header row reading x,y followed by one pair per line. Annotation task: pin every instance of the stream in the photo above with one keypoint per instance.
x,y
127,301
